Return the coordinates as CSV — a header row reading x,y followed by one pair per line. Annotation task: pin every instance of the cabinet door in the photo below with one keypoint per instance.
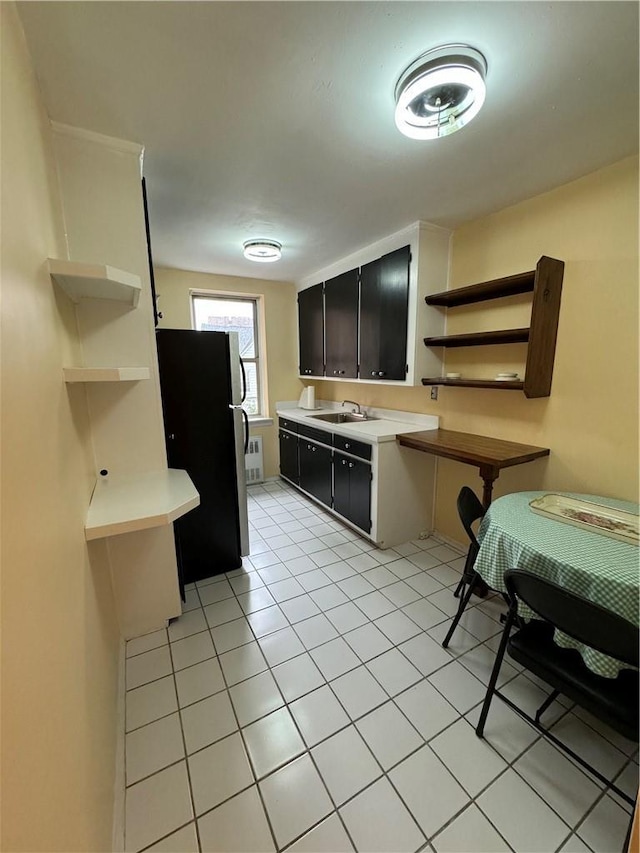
x,y
289,456
352,490
341,325
360,494
315,470
311,331
341,484
384,311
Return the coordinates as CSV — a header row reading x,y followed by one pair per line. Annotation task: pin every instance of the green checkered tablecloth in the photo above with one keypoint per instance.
x,y
603,570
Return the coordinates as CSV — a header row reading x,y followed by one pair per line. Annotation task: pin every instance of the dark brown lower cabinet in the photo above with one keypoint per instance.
x,y
315,469
352,490
289,456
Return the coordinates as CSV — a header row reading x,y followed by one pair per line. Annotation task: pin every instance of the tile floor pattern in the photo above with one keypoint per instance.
x,y
304,703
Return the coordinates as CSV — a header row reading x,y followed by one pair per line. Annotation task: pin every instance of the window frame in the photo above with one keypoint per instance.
x,y
260,358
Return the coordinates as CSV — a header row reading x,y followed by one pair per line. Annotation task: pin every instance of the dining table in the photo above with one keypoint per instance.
x,y
542,532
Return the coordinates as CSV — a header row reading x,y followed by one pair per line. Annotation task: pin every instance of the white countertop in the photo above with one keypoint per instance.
x,y
386,428
123,505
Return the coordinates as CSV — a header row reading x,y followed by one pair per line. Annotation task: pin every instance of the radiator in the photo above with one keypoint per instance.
x,y
253,463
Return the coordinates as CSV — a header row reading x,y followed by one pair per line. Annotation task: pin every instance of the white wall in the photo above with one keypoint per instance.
x,y
101,191
60,639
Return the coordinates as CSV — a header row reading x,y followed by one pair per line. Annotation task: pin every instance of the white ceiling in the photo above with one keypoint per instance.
x,y
275,119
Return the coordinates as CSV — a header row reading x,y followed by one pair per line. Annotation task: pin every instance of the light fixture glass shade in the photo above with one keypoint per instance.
x,y
440,92
264,251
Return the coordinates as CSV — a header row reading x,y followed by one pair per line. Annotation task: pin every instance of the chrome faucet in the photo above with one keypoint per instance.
x,y
353,403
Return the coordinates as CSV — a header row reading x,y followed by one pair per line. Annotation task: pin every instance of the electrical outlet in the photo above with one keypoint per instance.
x,y
434,392
424,535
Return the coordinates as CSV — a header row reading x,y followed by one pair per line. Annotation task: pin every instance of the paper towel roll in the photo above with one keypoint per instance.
x,y
308,398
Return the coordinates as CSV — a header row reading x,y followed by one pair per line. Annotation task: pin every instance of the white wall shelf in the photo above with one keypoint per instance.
x,y
95,281
105,374
124,505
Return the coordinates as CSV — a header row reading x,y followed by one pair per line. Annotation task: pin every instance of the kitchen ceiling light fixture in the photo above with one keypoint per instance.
x,y
264,251
440,92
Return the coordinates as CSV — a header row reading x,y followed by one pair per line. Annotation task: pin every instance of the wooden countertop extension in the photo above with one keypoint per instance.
x,y
490,455
472,449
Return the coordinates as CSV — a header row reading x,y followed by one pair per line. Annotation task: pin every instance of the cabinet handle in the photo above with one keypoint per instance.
x,y
344,461
341,372
381,373
335,372
374,373
346,445
350,464
313,449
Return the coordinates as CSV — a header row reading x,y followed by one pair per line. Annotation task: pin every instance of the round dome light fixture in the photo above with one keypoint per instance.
x,y
440,92
264,251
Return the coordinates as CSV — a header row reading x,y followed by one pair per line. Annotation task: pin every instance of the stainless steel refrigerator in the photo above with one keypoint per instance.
x,y
203,386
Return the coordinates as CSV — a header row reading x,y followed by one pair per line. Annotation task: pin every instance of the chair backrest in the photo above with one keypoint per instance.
x,y
583,620
469,509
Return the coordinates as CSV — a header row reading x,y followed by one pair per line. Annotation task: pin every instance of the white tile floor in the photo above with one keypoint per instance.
x,y
305,703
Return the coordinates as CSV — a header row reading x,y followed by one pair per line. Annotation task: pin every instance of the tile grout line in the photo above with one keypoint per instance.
x,y
513,761
352,722
250,763
308,652
184,746
462,716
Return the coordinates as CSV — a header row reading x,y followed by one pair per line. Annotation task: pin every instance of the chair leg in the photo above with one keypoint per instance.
x,y
551,698
459,588
495,672
467,572
463,603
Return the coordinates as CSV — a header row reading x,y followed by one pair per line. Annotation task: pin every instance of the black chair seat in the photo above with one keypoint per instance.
x,y
612,700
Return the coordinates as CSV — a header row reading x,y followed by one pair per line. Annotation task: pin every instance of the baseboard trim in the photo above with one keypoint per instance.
x,y
452,543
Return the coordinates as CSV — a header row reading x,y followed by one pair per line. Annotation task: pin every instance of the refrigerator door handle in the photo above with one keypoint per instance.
x,y
245,418
241,483
244,384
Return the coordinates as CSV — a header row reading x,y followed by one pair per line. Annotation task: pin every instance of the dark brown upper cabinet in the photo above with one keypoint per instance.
x,y
341,325
311,331
384,310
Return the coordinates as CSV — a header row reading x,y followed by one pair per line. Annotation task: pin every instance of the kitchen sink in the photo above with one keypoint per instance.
x,y
343,418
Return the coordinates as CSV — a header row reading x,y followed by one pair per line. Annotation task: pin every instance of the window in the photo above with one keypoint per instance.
x,y
222,312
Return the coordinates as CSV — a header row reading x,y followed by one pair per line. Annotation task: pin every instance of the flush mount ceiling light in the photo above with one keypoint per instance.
x,y
440,92
264,251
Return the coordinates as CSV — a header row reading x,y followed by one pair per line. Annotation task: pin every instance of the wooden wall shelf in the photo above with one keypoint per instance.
x,y
95,281
478,339
509,286
516,385
105,374
546,284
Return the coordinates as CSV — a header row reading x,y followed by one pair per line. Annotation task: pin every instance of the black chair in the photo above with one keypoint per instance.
x,y
612,700
470,510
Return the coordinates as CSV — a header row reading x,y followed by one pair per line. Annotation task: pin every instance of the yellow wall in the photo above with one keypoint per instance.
x,y
280,320
59,636
590,421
